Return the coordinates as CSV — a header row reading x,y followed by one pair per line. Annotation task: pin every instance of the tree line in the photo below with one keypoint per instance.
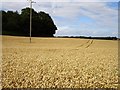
x,y
84,37
14,23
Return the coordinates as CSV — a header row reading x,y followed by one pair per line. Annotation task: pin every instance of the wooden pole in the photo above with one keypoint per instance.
x,y
30,18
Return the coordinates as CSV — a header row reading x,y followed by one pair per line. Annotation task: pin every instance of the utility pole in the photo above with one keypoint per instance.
x,y
31,18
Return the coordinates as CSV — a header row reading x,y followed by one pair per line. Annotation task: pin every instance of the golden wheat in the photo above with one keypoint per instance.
x,y
59,62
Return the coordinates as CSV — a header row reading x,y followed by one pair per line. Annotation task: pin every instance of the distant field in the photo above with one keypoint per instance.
x,y
59,62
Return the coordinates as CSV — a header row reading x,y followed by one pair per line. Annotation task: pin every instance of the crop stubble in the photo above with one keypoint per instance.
x,y
59,62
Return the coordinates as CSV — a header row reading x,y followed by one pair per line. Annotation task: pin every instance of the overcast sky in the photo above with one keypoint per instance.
x,y
75,17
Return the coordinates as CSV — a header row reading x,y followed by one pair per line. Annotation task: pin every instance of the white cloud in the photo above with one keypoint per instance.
x,y
66,30
104,17
61,0
13,6
63,30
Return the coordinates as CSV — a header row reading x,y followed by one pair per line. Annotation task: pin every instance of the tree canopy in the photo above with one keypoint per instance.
x,y
14,23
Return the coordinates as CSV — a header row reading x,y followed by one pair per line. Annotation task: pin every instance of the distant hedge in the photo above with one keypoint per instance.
x,y
102,38
14,23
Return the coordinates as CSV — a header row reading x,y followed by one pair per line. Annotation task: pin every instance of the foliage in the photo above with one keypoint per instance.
x,y
14,23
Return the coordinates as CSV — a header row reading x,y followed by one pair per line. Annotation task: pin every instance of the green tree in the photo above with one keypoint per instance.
x,y
47,23
19,24
10,22
42,24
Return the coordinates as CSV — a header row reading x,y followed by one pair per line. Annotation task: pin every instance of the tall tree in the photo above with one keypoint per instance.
x,y
19,24
42,23
10,23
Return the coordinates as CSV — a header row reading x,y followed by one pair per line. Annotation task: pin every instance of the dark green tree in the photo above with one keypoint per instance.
x,y
4,20
46,23
19,24
42,23
10,22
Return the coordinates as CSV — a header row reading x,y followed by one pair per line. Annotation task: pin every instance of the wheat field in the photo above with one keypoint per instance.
x,y
59,63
